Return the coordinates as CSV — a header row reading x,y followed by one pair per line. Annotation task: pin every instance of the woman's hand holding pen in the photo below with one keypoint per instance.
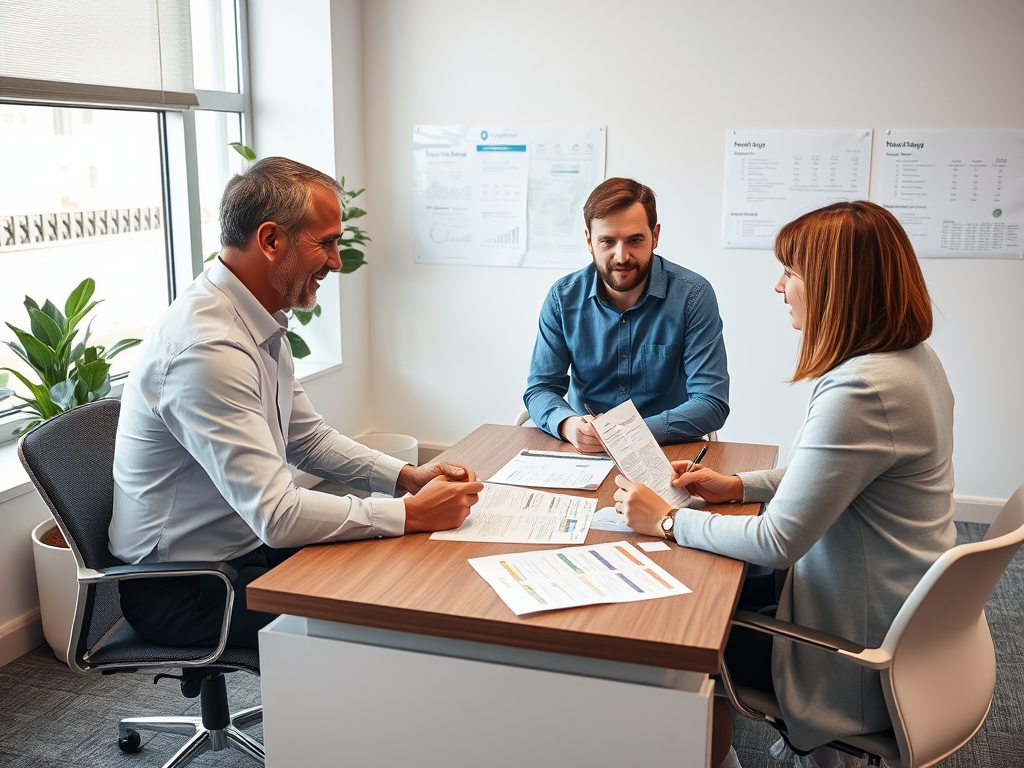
x,y
711,486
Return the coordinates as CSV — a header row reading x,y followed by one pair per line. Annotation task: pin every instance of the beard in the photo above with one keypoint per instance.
x,y
297,288
615,281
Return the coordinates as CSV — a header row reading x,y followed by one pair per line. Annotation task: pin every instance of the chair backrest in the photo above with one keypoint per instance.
x,y
521,418
940,683
70,460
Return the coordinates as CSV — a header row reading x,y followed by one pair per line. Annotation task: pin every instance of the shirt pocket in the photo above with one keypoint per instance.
x,y
662,366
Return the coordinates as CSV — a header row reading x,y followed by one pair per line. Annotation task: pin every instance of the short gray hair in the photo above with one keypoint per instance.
x,y
272,189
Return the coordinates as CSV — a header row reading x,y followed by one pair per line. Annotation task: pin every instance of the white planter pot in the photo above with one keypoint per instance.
x,y
57,577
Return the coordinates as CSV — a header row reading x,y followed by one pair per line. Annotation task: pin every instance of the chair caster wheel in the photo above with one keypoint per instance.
x,y
131,742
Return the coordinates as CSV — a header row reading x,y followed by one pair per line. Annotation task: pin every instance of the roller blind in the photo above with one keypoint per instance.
x,y
127,52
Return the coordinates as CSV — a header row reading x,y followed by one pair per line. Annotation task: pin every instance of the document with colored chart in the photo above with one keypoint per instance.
x,y
524,516
614,572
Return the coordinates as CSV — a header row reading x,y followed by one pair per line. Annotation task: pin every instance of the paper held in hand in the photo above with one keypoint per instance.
x,y
628,440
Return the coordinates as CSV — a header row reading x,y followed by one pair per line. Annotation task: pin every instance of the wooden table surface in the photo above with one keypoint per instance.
x,y
416,585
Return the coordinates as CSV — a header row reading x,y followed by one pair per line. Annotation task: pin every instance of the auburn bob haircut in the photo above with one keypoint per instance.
x,y
863,287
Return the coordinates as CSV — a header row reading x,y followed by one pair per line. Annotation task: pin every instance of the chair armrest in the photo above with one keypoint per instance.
x,y
874,658
163,570
223,571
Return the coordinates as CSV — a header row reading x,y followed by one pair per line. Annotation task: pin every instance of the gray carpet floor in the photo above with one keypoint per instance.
x,y
51,717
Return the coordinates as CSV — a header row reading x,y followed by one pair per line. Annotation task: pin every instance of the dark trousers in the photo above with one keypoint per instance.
x,y
188,611
748,654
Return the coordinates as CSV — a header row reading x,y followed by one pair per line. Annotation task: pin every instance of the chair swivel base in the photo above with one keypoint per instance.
x,y
202,739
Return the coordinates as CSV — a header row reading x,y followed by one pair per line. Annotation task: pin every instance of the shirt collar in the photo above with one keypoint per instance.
x,y
261,324
657,282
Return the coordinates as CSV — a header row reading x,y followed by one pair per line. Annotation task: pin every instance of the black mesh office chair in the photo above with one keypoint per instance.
x,y
70,460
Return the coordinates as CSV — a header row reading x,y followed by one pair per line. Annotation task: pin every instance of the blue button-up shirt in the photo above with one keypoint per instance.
x,y
666,352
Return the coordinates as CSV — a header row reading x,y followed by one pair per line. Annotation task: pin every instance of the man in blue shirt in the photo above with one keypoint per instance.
x,y
630,325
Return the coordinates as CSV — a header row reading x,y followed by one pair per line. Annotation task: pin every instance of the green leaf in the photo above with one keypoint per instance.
x,y
37,355
50,310
302,316
211,257
40,401
121,346
63,394
243,150
299,347
74,319
317,310
357,193
351,262
79,297
45,329
348,267
92,372
352,213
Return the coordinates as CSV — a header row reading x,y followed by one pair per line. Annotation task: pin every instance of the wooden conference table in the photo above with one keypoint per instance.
x,y
416,661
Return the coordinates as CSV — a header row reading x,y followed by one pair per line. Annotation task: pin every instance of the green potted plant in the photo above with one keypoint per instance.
x,y
70,372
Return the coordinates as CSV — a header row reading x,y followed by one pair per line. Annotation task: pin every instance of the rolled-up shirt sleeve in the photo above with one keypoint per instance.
x,y
213,406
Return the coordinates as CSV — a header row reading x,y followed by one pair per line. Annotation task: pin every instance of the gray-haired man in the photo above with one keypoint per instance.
x,y
212,415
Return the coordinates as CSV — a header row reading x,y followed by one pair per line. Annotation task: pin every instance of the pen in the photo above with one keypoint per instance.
x,y
700,456
592,414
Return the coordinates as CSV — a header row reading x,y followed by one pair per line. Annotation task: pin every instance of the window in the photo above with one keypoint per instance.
x,y
107,174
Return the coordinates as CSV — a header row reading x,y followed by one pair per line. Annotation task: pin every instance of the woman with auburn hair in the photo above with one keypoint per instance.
x,y
865,505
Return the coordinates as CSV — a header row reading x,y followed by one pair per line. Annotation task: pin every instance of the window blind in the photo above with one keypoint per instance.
x,y
125,52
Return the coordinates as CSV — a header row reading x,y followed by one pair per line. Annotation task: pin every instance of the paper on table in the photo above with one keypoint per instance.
x,y
566,578
607,519
551,469
628,440
524,516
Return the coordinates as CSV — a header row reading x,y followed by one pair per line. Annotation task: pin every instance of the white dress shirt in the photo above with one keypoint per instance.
x,y
211,416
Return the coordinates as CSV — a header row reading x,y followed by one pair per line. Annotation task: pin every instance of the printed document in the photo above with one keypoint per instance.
x,y
551,469
773,176
524,516
628,440
959,193
548,580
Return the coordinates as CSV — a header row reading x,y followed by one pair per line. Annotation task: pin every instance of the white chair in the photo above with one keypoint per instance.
x,y
937,661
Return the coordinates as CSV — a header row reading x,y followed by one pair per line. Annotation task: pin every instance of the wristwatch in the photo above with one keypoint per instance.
x,y
668,524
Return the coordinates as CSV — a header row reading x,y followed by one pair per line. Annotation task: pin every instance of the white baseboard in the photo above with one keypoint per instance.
x,y
20,636
976,509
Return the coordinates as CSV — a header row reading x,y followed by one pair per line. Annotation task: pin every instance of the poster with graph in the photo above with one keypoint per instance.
x,y
509,196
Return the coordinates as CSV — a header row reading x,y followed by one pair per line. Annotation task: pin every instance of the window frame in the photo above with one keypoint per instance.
x,y
180,180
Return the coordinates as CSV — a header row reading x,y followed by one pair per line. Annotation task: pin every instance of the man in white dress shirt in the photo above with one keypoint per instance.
x,y
212,415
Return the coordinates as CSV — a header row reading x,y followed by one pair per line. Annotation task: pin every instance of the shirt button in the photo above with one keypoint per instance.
x,y
625,355
623,321
622,389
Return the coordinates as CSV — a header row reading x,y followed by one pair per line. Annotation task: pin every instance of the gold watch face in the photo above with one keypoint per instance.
x,y
667,523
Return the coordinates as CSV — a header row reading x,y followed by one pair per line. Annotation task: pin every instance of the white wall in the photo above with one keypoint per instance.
x,y
451,345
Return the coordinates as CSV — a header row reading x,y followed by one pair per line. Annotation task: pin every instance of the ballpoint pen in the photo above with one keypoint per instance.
x,y
592,414
699,456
